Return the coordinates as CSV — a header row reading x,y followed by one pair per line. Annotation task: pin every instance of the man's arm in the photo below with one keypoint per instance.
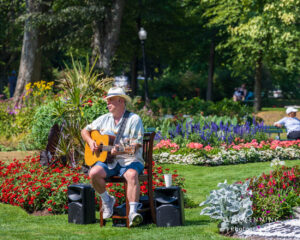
x,y
86,136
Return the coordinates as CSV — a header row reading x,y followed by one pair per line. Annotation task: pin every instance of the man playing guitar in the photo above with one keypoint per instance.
x,y
127,165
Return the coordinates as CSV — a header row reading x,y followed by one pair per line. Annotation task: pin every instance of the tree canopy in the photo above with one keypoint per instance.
x,y
195,48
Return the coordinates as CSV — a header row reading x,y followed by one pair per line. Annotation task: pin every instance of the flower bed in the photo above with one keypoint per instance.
x,y
196,154
267,198
275,194
32,187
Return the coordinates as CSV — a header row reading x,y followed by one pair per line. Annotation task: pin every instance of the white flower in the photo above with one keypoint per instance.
x,y
165,155
277,162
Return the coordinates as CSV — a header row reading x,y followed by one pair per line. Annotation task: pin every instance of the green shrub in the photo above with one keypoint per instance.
x,y
231,205
79,86
230,108
93,109
15,120
44,118
196,106
6,120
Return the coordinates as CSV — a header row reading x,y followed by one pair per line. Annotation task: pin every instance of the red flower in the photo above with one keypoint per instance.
x,y
269,183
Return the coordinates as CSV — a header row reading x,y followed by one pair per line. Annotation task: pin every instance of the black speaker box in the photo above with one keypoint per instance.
x,y
81,203
169,206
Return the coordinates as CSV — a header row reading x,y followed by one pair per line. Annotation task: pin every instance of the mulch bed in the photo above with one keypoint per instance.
x,y
44,212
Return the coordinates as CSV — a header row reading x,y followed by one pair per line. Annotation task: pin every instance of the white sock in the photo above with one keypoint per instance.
x,y
105,196
133,207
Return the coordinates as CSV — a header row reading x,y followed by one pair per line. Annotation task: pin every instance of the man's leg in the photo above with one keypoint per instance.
x,y
133,189
98,174
133,192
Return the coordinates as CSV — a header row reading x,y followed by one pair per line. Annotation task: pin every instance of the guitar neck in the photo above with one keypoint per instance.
x,y
107,148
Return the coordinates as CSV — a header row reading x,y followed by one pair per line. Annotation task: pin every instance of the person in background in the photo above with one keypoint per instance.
x,y
240,93
237,95
12,82
291,123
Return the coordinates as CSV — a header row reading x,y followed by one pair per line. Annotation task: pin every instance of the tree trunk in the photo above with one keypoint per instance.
x,y
106,35
210,71
30,63
257,85
133,78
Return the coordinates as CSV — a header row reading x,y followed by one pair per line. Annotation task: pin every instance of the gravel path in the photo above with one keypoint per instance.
x,y
283,230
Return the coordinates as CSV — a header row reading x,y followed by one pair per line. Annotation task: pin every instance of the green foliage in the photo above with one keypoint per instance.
x,y
6,120
257,29
174,83
79,86
44,118
197,108
94,109
6,92
231,205
14,120
4,148
230,108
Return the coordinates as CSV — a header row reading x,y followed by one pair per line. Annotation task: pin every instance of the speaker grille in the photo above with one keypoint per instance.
x,y
168,215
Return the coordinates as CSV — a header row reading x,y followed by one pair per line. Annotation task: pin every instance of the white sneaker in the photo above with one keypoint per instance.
x,y
135,219
108,207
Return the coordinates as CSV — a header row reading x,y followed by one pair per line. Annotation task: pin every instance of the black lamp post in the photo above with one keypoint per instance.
x,y
143,37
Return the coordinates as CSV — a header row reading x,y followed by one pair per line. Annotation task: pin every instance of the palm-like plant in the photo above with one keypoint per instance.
x,y
79,84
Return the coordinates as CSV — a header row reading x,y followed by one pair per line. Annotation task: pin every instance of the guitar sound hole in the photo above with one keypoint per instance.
x,y
100,147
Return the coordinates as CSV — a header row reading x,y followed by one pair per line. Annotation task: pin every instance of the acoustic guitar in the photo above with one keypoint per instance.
x,y
105,144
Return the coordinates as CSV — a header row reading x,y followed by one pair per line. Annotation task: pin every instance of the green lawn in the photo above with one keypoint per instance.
x,y
17,224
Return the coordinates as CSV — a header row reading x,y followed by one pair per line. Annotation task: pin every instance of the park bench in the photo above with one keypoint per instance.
x,y
274,130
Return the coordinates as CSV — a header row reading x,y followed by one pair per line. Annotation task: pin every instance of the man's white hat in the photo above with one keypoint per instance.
x,y
291,109
117,92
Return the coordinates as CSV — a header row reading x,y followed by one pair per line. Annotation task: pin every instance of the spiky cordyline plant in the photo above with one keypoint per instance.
x,y
79,84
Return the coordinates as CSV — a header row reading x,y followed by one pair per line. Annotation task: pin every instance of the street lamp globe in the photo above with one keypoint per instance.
x,y
142,34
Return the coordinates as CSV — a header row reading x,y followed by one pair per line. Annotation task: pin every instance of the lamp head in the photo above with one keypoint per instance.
x,y
142,34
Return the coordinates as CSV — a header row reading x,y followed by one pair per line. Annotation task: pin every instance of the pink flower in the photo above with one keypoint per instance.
x,y
191,145
198,145
208,148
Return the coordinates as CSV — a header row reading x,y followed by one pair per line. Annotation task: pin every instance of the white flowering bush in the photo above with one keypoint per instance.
x,y
225,156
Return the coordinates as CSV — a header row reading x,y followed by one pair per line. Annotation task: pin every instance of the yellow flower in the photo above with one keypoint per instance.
x,y
27,87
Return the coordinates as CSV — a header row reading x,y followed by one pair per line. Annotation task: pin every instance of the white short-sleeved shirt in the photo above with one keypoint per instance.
x,y
291,124
134,132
